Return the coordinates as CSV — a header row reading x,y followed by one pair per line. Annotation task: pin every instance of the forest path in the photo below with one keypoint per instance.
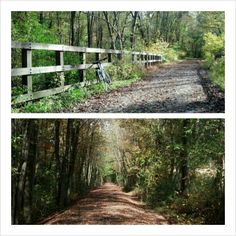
x,y
107,205
178,87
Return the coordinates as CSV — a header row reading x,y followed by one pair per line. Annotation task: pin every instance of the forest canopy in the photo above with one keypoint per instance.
x,y
176,165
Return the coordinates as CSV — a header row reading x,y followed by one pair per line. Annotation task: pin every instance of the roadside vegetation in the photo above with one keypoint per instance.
x,y
214,57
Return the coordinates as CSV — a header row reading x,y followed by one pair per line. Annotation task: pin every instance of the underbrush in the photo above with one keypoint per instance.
x,y
214,59
202,204
217,72
170,53
122,71
121,75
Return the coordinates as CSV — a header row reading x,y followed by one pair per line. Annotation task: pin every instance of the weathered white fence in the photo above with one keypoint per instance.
x,y
27,70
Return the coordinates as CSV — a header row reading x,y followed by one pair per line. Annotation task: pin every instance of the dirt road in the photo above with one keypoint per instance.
x,y
174,88
107,205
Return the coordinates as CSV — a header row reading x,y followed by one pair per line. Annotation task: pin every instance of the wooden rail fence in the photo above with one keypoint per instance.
x,y
27,70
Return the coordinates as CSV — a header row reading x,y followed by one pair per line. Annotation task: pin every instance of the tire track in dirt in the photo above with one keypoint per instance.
x,y
107,205
174,88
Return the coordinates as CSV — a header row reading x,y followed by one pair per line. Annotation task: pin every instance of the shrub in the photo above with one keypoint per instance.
x,y
123,71
217,72
213,51
169,52
213,46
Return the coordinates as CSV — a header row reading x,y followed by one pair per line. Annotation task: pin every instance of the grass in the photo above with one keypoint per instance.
x,y
69,99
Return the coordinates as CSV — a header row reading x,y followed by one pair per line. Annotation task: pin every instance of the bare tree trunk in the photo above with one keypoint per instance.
x,y
72,27
133,29
110,31
184,157
118,30
90,20
99,31
59,26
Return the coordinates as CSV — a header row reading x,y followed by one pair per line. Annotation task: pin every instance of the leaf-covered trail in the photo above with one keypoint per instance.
x,y
107,204
174,88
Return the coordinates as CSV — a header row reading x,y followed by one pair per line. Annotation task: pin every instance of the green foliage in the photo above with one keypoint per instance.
x,y
213,45
19,90
213,50
27,28
56,103
157,165
121,76
107,170
204,202
44,194
168,51
217,72
122,71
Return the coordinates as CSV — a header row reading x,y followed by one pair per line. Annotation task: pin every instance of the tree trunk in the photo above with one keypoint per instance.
x,y
41,18
72,158
32,132
57,150
184,157
99,32
72,27
62,184
110,31
90,18
133,29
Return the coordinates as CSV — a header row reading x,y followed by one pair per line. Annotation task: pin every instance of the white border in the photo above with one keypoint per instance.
x,y
6,227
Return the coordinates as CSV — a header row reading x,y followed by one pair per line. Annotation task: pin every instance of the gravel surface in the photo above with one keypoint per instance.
x,y
182,87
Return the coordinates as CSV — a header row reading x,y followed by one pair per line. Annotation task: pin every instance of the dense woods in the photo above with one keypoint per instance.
x,y
187,31
174,165
174,35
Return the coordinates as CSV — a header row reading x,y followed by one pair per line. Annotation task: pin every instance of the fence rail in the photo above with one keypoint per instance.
x,y
27,70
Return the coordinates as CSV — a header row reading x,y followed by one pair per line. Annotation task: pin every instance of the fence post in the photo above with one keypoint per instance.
x,y
140,58
134,58
98,56
60,62
82,73
146,60
27,62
